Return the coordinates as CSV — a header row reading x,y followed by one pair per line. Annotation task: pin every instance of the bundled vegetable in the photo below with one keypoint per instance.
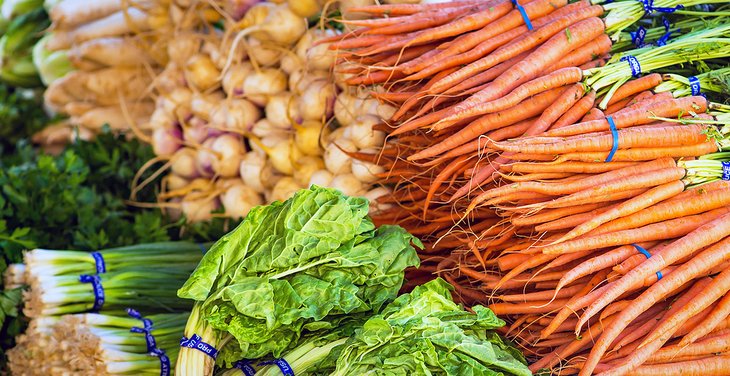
x,y
16,44
301,266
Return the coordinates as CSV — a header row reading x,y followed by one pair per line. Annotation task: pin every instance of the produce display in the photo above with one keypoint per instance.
x,y
362,187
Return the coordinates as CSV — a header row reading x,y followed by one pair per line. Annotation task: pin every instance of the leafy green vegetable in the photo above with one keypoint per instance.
x,y
21,115
295,267
16,44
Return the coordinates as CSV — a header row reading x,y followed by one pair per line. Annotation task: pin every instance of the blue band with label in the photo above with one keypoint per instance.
x,y
99,261
649,8
638,36
633,64
195,342
694,85
725,170
146,330
522,11
667,32
245,367
98,289
284,367
614,134
648,255
165,365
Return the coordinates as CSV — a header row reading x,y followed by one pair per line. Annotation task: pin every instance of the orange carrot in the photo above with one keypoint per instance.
x,y
593,114
586,53
719,314
567,167
635,86
526,308
642,154
550,215
577,111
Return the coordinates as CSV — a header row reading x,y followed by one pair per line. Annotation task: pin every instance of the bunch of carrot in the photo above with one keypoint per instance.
x,y
550,178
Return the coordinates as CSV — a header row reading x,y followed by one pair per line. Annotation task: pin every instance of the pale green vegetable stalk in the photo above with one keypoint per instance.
x,y
51,65
292,268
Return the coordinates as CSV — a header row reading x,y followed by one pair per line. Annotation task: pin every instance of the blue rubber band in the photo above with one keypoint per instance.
x,y
165,365
195,342
99,261
522,11
146,329
95,281
725,170
245,367
694,85
614,134
648,255
633,64
649,8
667,32
284,367
638,36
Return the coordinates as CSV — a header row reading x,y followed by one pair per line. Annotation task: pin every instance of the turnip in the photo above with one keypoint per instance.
x,y
197,208
265,129
239,199
301,79
372,106
263,54
348,184
317,100
284,188
220,156
335,134
279,153
183,164
165,141
198,130
183,46
170,78
251,169
277,110
363,135
345,109
268,141
290,63
180,96
174,182
304,8
373,194
257,14
201,72
202,105
281,26
307,137
305,167
318,57
365,171
322,178
233,79
259,86
236,115
270,176
335,159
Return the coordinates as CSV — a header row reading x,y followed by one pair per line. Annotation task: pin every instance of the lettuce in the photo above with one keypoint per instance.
x,y
293,268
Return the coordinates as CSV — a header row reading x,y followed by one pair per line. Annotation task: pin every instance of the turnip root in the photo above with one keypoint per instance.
x,y
197,130
317,100
197,208
203,105
264,128
166,141
269,175
345,109
348,184
105,86
110,51
304,8
201,72
307,137
335,159
239,199
305,167
261,53
363,135
373,194
183,46
301,79
228,151
365,172
284,188
277,110
237,115
234,77
183,164
322,178
251,170
175,182
318,57
170,78
259,86
281,26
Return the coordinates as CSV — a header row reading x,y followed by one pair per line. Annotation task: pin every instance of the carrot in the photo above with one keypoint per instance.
x,y
708,233
634,86
533,40
719,314
511,260
523,111
570,221
643,154
656,231
516,197
635,260
708,346
586,53
407,9
593,64
669,108
618,106
715,290
682,135
540,296
526,308
482,143
577,111
566,100
420,22
439,179
593,114
478,82
569,167
653,99
550,215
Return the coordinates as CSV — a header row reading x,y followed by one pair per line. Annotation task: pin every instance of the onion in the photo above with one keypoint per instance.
x,y
361,132
166,141
239,199
259,86
201,72
233,79
284,188
336,160
322,178
348,184
307,137
317,100
184,163
250,170
305,167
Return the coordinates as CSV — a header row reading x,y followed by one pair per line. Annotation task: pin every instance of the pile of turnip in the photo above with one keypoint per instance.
x,y
251,112
98,60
